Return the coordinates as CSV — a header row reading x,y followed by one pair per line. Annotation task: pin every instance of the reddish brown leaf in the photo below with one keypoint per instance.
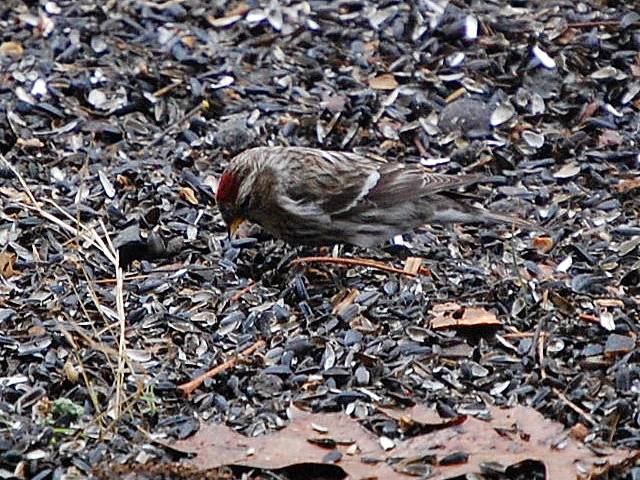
x,y
217,445
511,436
579,431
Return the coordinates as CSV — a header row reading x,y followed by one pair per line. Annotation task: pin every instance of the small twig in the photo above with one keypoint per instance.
x,y
188,388
543,372
103,281
587,317
202,105
89,232
421,149
536,338
594,23
614,428
166,89
518,335
238,295
575,407
83,231
362,262
78,358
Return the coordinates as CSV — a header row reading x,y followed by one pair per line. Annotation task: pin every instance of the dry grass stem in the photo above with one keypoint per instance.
x,y
361,262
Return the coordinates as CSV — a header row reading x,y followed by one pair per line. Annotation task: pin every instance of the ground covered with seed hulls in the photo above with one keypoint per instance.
x,y
117,117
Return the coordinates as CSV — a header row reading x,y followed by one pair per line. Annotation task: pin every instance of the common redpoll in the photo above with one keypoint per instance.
x,y
317,197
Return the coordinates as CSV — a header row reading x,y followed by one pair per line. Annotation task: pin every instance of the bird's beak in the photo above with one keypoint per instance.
x,y
234,226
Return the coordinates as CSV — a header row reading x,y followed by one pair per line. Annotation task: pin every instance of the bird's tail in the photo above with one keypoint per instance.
x,y
477,215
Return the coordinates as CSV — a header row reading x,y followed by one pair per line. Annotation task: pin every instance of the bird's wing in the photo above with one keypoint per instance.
x,y
334,182
340,183
401,183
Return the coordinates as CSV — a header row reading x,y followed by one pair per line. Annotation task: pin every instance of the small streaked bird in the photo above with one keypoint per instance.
x,y
308,196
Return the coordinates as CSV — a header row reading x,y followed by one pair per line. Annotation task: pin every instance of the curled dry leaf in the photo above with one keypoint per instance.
x,y
6,264
187,193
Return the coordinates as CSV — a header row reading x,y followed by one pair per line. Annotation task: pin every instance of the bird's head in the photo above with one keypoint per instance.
x,y
230,201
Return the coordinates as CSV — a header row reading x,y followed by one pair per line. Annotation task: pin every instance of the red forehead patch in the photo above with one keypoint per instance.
x,y
227,188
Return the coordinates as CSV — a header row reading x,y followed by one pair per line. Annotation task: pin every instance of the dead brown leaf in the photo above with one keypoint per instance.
x,y
6,264
543,244
125,182
545,271
11,49
627,185
511,436
385,81
567,37
579,431
217,445
452,315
